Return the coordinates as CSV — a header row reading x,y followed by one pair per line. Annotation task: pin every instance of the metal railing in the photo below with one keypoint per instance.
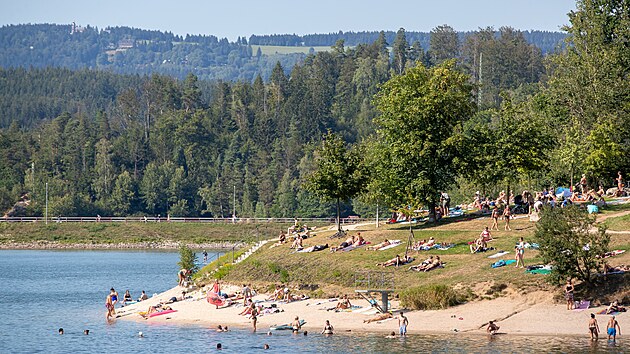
x,y
136,219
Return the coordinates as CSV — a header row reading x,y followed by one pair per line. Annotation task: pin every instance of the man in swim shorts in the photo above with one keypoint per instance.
x,y
613,328
402,324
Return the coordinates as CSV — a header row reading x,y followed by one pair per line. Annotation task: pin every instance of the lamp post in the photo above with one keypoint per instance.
x,y
46,203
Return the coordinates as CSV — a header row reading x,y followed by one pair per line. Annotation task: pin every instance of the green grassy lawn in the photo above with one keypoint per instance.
x,y
333,273
281,264
109,233
272,49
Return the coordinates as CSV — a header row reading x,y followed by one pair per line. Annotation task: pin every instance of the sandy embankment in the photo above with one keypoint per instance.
x,y
534,314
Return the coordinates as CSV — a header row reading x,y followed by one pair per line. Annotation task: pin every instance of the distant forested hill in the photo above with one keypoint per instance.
x,y
545,40
127,50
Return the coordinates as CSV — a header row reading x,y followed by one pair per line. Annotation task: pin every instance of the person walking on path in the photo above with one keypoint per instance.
x,y
402,324
613,328
593,327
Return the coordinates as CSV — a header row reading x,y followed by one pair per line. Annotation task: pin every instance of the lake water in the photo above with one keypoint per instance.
x,y
41,291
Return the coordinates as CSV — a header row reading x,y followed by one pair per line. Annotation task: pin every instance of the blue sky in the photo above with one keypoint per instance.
x,y
233,18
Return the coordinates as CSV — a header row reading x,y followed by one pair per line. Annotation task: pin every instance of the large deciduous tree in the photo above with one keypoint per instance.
x,y
340,175
589,83
419,133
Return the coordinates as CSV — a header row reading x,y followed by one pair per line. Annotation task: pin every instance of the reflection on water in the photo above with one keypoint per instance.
x,y
41,291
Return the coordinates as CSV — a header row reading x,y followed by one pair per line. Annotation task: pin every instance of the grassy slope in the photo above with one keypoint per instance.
x,y
107,233
334,272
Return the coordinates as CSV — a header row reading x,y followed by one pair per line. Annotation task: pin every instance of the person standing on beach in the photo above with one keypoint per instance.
x,y
402,324
247,294
568,294
109,306
593,327
182,275
254,316
613,328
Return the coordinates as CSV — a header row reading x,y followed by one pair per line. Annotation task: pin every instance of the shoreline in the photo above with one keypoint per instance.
x,y
527,315
49,245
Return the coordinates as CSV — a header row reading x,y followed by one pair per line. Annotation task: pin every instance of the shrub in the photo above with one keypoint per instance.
x,y
430,297
187,258
568,241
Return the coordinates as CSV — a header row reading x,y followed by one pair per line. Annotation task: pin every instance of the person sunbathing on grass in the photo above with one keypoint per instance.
x,y
436,263
380,245
359,241
394,261
424,263
297,244
427,267
349,241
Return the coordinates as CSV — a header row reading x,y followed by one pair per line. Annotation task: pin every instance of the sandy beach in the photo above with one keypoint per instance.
x,y
532,314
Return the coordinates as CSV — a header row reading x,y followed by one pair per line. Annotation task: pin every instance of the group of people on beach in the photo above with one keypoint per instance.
x,y
112,299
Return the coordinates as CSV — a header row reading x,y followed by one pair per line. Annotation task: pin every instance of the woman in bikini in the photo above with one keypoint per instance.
x,y
380,245
328,328
495,218
507,215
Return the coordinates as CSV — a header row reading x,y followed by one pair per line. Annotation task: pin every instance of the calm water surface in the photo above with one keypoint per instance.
x,y
41,291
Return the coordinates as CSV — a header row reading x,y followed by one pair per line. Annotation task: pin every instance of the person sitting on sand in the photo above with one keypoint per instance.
x,y
380,245
278,294
127,297
492,328
614,307
328,328
247,308
382,316
343,304
143,296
